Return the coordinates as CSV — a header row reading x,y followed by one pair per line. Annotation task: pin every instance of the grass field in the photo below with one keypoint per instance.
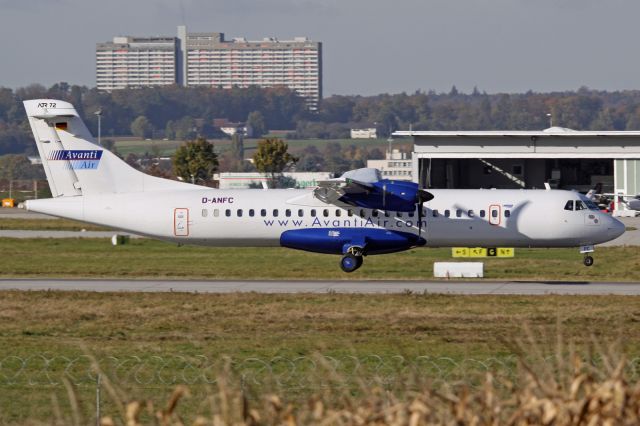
x,y
256,329
243,326
143,258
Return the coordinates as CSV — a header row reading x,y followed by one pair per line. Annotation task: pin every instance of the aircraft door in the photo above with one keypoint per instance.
x,y
494,214
181,222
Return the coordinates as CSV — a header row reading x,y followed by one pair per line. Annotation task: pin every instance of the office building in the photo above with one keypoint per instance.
x,y
397,165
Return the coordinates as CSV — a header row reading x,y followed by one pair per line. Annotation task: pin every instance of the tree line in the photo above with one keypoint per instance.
x,y
184,113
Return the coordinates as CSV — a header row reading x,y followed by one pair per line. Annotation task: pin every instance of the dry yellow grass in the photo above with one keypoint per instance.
x,y
575,394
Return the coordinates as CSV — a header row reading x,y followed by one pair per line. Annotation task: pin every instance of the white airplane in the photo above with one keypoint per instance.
x,y
353,216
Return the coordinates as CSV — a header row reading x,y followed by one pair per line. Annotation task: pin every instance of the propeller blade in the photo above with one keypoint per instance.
x,y
419,220
422,197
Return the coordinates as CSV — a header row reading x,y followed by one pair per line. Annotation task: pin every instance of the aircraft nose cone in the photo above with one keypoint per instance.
x,y
616,228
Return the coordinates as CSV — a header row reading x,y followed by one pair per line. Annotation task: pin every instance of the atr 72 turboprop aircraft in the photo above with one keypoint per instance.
x,y
353,216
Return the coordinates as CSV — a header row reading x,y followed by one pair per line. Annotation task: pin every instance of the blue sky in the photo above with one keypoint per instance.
x,y
370,46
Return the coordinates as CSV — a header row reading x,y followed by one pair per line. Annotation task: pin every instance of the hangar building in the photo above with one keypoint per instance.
x,y
564,158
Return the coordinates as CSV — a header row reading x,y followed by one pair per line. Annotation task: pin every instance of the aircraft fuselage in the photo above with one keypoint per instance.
x,y
474,218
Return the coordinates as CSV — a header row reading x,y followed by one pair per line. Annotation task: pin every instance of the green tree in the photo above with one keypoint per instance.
x,y
195,161
237,147
141,127
170,130
185,128
14,166
272,158
255,121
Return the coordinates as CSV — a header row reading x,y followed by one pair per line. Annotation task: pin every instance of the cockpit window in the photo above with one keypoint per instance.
x,y
569,205
580,205
591,205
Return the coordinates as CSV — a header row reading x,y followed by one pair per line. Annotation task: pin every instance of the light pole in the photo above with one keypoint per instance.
x,y
550,119
99,114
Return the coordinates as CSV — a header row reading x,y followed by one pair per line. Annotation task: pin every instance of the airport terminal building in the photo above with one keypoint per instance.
x,y
561,157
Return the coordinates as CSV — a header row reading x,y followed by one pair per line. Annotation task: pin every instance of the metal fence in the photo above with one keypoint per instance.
x,y
280,372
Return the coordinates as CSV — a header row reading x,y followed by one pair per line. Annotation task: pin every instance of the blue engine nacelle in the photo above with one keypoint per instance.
x,y
386,195
339,240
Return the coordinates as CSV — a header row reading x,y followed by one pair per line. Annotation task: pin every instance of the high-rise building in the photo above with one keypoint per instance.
x,y
213,61
136,62
207,59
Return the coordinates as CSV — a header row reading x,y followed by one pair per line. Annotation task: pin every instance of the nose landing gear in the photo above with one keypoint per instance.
x,y
588,260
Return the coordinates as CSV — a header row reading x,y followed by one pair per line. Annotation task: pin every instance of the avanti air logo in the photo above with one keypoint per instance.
x,y
77,159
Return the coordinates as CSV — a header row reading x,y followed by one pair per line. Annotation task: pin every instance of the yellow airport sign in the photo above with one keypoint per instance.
x,y
483,252
506,252
459,252
477,252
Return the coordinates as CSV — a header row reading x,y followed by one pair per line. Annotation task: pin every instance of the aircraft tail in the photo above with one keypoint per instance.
x,y
74,164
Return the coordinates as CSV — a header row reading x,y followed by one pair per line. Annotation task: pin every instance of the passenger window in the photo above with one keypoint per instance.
x,y
580,205
300,213
435,213
494,213
507,213
216,213
374,213
470,213
287,213
338,212
411,214
458,213
569,205
447,213
204,212
482,213
252,212
349,212
313,212
263,212
239,212
386,213
399,214
362,213
227,213
325,212
275,212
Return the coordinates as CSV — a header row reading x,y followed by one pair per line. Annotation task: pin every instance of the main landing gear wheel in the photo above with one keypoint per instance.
x,y
350,262
588,261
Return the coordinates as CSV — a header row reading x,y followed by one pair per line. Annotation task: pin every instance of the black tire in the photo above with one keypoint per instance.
x,y
350,263
588,261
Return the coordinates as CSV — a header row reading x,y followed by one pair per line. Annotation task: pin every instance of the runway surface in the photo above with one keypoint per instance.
x,y
323,287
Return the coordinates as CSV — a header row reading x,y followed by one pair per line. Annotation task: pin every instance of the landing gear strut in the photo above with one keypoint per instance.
x,y
352,260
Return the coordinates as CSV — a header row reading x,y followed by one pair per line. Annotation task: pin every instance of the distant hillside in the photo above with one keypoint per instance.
x,y
182,113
